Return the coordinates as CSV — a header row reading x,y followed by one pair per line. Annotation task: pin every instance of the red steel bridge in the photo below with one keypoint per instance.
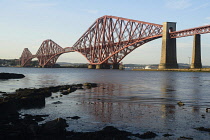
x,y
109,39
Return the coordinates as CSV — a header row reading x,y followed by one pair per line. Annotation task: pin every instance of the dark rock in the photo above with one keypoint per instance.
x,y
107,133
68,90
32,129
203,129
58,102
32,102
13,127
6,108
79,86
72,89
55,127
186,138
32,92
180,103
203,116
34,98
11,76
64,92
75,117
90,85
148,135
167,135
36,118
42,115
54,89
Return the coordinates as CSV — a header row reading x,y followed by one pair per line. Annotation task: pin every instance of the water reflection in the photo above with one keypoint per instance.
x,y
168,93
168,89
115,104
126,104
196,94
47,79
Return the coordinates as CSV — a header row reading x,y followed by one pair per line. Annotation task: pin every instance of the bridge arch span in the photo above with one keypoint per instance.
x,y
125,50
51,61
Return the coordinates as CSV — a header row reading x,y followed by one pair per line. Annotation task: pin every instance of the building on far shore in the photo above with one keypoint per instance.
x,y
147,67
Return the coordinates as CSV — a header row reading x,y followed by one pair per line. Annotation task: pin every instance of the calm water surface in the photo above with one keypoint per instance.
x,y
137,101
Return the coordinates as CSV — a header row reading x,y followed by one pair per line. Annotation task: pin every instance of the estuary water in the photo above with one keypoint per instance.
x,y
136,101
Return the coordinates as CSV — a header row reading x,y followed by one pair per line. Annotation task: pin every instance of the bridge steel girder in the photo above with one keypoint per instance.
x,y
190,32
26,57
109,39
48,53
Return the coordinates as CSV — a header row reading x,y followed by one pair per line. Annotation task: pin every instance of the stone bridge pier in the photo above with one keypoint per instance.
x,y
196,53
168,52
105,66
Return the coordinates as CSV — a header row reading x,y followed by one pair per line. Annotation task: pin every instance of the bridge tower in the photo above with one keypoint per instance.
x,y
168,53
196,54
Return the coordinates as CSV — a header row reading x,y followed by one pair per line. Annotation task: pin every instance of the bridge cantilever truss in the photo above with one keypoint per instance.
x,y
107,41
48,53
26,57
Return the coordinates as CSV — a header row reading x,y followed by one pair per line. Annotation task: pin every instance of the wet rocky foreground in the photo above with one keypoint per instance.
x,y
14,125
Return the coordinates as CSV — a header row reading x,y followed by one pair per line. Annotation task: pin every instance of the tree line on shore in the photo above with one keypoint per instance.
x,y
35,63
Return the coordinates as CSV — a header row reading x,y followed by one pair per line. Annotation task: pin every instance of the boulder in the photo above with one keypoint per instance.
x,y
55,127
11,76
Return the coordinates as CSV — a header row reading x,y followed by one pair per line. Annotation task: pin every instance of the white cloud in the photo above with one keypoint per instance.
x,y
178,4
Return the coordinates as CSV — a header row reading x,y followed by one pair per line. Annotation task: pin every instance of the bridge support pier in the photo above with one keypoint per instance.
x,y
168,53
196,54
115,66
103,66
91,66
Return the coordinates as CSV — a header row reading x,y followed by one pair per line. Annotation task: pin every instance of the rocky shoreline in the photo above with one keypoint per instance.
x,y
25,126
14,125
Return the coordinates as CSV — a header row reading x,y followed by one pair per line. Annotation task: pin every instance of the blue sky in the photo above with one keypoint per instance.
x,y
26,23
